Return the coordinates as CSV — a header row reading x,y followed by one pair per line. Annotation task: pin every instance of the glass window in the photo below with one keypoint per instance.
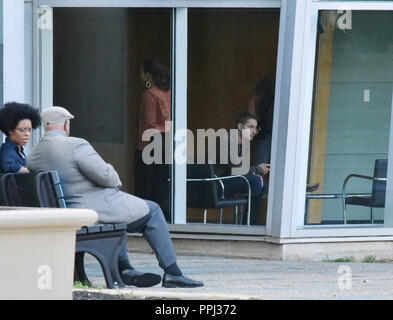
x,y
232,57
350,123
99,54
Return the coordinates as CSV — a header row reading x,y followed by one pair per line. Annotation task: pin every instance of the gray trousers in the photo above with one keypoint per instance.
x,y
155,230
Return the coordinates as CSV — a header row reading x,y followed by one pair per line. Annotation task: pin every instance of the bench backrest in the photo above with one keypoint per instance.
x,y
34,189
49,191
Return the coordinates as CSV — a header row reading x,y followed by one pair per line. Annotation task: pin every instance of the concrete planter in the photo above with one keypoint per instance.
x,y
37,251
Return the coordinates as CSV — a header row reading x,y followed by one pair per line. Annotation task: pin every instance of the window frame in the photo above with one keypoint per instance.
x,y
43,74
298,229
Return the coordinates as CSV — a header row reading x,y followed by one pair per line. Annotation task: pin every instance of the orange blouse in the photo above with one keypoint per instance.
x,y
155,110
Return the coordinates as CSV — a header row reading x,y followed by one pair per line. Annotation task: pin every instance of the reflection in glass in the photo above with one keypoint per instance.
x,y
350,116
229,52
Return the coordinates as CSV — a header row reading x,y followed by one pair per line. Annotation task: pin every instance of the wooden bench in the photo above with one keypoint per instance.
x,y
43,189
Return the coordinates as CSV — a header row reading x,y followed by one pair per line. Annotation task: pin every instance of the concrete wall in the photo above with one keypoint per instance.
x,y
271,248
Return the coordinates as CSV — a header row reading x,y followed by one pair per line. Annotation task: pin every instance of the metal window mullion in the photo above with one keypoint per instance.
x,y
388,217
179,121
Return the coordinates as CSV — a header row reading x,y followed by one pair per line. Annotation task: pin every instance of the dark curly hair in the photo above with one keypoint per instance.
x,y
13,112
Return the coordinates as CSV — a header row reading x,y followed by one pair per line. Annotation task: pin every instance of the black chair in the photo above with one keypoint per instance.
x,y
49,191
18,189
103,241
206,191
32,190
376,199
2,190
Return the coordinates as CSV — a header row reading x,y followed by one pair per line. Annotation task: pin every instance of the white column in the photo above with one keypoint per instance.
x,y
179,92
283,204
14,51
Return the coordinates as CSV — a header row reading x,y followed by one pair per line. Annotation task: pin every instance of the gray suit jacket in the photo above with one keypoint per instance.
x,y
87,180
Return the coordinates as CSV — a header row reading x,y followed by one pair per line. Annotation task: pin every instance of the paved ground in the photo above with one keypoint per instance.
x,y
227,279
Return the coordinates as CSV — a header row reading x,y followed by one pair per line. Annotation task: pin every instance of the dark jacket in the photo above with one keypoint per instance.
x,y
225,169
12,157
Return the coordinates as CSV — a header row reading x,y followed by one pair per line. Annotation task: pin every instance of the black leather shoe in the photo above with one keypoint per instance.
x,y
170,281
139,279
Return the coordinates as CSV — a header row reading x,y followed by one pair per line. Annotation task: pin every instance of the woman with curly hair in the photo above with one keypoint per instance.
x,y
17,120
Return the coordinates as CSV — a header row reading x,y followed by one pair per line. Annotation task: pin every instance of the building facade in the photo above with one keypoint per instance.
x,y
332,62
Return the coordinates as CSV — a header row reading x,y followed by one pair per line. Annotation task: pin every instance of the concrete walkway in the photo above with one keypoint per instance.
x,y
227,278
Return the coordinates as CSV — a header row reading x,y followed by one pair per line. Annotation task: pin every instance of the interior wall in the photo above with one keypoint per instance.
x,y
229,51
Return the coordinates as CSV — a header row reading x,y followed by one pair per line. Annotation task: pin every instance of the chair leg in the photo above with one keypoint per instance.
x,y
221,210
236,215
241,214
204,216
306,213
371,215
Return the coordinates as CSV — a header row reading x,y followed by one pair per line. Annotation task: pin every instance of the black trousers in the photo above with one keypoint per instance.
x,y
151,183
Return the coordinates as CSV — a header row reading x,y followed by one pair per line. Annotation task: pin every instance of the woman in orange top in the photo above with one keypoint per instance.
x,y
151,181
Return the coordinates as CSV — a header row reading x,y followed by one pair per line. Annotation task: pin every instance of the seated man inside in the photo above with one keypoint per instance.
x,y
89,182
246,129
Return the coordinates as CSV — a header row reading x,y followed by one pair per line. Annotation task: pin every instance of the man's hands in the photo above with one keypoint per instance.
x,y
265,168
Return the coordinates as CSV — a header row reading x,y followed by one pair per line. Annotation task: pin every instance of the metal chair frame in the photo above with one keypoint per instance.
x,y
344,193
222,186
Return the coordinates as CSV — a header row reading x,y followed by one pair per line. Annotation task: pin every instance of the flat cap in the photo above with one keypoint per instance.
x,y
55,115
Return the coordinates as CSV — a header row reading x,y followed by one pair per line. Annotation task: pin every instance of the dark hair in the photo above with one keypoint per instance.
x,y
13,112
160,74
243,117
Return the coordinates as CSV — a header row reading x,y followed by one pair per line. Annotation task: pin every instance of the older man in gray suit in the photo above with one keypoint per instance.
x,y
89,182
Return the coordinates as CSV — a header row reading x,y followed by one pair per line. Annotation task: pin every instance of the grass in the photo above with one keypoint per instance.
x,y
370,259
343,259
85,285
366,259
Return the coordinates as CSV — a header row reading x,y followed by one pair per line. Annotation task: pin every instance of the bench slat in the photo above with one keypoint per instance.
x,y
93,229
120,226
107,227
81,231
